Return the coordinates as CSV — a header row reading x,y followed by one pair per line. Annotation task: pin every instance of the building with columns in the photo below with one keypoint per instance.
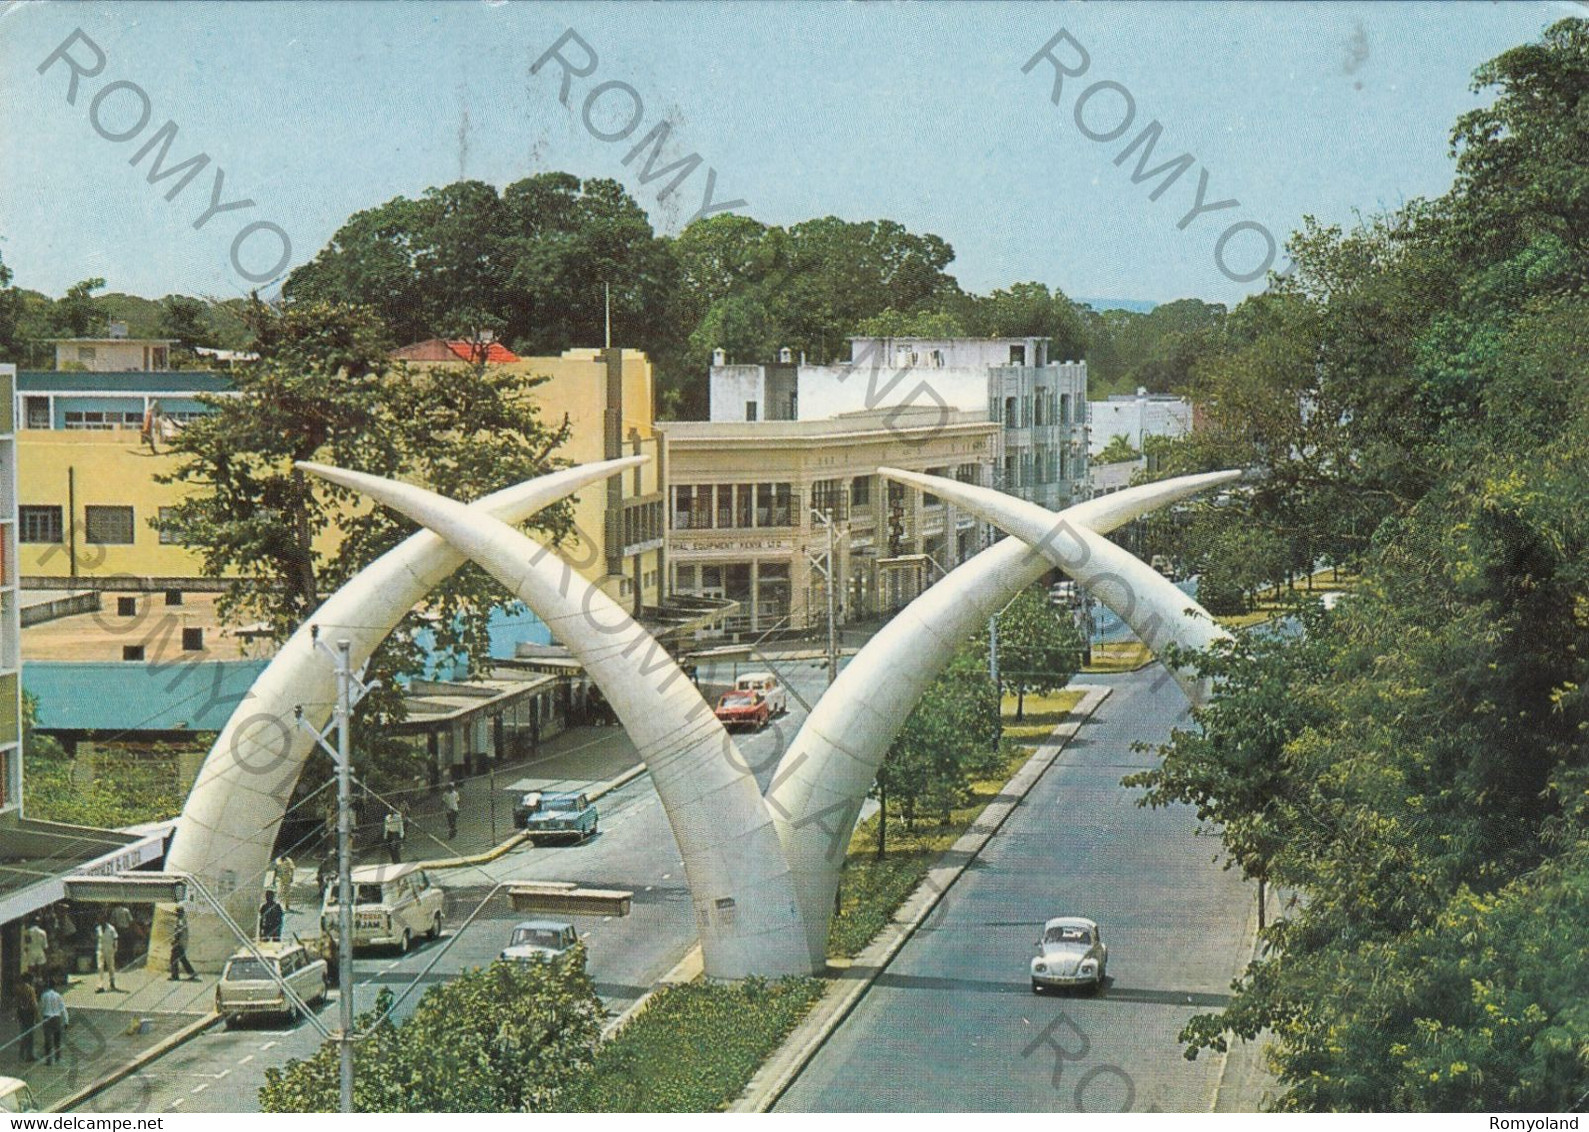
x,y
749,504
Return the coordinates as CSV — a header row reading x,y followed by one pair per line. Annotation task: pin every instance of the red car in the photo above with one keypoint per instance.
x,y
744,709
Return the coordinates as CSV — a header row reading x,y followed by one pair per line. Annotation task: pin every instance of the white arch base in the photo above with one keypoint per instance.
x,y
230,820
743,894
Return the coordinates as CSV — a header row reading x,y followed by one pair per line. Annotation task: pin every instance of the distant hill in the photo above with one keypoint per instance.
x,y
1140,306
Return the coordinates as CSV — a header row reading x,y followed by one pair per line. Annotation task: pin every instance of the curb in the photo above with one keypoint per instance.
x,y
1231,1049
686,970
780,1071
128,1068
521,837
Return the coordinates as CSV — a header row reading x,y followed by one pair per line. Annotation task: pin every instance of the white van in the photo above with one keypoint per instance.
x,y
770,690
393,905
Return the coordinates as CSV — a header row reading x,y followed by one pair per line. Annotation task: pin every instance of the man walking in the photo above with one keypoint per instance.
x,y
285,868
449,803
53,1009
393,829
27,1017
35,948
179,946
106,940
270,919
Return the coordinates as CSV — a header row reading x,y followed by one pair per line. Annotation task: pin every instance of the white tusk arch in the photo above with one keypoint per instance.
x,y
824,777
1139,595
743,894
229,821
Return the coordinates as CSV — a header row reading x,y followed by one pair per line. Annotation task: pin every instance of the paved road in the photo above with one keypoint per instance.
x,y
952,1025
221,1070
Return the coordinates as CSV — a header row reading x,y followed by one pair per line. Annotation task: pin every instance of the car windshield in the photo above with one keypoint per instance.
x,y
566,803
362,894
1068,935
537,937
738,699
247,970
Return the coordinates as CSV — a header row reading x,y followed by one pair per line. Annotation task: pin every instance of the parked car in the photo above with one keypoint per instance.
x,y
252,983
15,1096
393,905
547,816
1071,953
744,709
767,685
540,939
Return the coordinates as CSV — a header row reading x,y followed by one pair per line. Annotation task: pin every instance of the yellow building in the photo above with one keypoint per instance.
x,y
90,502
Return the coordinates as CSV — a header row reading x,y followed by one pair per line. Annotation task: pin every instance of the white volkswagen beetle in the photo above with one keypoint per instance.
x,y
1071,953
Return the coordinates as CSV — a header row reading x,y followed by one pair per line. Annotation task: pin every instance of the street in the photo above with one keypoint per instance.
x,y
221,1070
952,1024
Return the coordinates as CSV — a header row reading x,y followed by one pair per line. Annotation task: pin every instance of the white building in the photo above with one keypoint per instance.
x,y
1039,403
1135,416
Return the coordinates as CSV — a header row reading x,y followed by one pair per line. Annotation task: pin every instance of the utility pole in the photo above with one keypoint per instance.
x,y
993,675
350,690
833,640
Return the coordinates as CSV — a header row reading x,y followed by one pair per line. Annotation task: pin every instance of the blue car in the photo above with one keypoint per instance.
x,y
545,816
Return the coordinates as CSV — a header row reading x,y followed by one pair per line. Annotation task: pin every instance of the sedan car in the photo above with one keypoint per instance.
x,y
744,709
1071,953
539,939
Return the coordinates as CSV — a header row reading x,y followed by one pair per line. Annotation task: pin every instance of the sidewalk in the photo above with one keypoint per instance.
x,y
106,1030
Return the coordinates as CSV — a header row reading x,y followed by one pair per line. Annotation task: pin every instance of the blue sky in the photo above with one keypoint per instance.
x,y
915,112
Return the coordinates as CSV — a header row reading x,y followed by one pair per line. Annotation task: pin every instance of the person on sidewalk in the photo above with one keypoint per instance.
x,y
35,948
270,919
449,803
27,1017
394,831
52,1008
326,875
179,946
285,868
106,940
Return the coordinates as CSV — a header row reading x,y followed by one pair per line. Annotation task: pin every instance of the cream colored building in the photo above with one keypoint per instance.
x,y
747,501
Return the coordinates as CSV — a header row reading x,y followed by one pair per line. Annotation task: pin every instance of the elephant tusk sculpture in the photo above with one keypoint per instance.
x,y
746,911
1157,612
228,824
825,775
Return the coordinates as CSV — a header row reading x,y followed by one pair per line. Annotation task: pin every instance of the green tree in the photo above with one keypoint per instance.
x,y
1030,310
511,1037
12,314
1039,647
77,314
186,319
324,391
1117,450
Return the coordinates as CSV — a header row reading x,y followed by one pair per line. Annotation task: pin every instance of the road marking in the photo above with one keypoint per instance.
x,y
199,1088
267,1045
174,1104
245,1060
651,888
604,919
223,1073
393,965
667,876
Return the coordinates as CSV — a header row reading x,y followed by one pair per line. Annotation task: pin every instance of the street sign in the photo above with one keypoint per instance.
x,y
128,888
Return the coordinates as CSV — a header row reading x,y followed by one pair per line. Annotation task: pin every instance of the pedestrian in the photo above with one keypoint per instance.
x,y
179,946
52,1008
393,829
328,952
27,1016
326,875
35,948
106,939
270,918
121,920
449,803
285,868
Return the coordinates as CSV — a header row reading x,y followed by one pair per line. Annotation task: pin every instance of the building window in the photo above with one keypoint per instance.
x,y
1012,413
1017,355
108,526
168,534
750,410
861,491
36,412
774,503
725,505
40,524
94,421
87,353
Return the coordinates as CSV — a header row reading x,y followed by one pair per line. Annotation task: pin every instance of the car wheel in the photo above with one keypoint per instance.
x,y
230,1021
405,942
1037,987
435,926
594,826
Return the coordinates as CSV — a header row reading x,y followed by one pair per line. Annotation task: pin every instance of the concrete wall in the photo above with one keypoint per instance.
x,y
1136,417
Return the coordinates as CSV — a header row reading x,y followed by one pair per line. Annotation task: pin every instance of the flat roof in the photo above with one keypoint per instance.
x,y
126,382
859,426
